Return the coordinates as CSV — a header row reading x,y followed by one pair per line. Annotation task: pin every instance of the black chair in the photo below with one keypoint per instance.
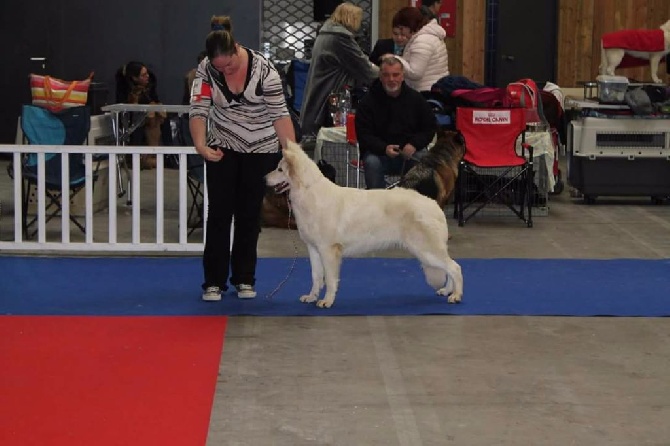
x,y
195,177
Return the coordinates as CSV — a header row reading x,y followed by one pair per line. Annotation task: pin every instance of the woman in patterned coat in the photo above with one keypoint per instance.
x,y
238,119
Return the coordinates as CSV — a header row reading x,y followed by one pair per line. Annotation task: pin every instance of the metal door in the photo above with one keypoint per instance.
x,y
521,41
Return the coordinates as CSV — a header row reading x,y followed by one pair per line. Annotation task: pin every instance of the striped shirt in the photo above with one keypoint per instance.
x,y
241,122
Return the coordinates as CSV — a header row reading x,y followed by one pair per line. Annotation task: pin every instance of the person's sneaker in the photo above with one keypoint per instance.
x,y
245,291
212,294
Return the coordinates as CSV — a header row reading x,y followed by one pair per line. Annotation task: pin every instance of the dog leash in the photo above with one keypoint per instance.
x,y
402,170
295,255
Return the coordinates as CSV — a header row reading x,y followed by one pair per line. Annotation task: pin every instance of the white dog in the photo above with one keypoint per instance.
x,y
631,48
334,221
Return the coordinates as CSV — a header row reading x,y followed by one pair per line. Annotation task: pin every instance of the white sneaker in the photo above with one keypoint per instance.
x,y
212,294
245,291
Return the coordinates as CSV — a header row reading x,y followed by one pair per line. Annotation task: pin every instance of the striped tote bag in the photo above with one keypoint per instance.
x,y
56,94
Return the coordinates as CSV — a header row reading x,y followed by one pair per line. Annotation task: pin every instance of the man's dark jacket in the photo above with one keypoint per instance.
x,y
382,120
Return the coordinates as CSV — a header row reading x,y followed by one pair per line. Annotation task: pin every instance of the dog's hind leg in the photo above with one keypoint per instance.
x,y
430,248
438,267
317,275
454,288
331,258
436,277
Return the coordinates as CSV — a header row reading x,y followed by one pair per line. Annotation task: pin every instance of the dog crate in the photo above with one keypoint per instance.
x,y
619,157
333,148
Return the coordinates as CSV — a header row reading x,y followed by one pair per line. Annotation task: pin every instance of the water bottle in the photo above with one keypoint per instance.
x,y
267,51
345,105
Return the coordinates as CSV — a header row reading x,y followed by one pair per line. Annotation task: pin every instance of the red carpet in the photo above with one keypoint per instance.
x,y
108,380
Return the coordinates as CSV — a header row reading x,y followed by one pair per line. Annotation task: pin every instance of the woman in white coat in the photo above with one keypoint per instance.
x,y
425,56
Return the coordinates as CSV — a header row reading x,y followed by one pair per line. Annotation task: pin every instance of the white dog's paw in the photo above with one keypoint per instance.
x,y
446,289
307,298
324,303
454,298
657,80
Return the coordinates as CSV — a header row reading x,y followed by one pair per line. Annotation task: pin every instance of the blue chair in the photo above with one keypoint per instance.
x,y
42,127
296,78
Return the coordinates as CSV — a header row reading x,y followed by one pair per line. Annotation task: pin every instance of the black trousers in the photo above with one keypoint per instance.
x,y
235,187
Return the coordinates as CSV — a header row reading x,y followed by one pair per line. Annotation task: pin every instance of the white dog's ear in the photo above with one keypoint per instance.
x,y
290,151
289,155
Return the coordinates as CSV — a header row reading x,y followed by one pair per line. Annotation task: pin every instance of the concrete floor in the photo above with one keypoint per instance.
x,y
438,380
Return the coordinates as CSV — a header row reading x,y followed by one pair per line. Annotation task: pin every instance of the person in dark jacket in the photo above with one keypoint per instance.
x,y
394,125
431,9
136,84
337,60
394,45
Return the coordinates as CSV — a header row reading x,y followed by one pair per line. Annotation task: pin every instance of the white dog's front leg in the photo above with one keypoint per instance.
x,y
317,275
614,56
331,256
602,69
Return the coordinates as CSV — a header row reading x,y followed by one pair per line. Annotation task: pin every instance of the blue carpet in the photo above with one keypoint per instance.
x,y
369,286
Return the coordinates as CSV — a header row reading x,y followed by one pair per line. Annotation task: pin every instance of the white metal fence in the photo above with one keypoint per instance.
x,y
107,230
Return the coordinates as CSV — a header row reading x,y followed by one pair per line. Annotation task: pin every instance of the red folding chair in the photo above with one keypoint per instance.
x,y
492,172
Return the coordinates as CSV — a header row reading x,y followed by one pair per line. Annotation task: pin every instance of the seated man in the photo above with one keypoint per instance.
x,y
394,125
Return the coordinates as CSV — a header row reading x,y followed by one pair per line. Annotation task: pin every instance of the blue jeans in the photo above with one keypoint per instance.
x,y
376,167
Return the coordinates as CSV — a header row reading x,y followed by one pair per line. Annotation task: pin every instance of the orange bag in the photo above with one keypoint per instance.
x,y
56,94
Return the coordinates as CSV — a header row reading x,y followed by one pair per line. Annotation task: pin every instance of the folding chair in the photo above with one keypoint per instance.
x,y
492,172
195,178
42,127
296,79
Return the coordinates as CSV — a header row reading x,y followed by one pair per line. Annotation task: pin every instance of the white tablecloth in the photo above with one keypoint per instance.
x,y
543,146
329,134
